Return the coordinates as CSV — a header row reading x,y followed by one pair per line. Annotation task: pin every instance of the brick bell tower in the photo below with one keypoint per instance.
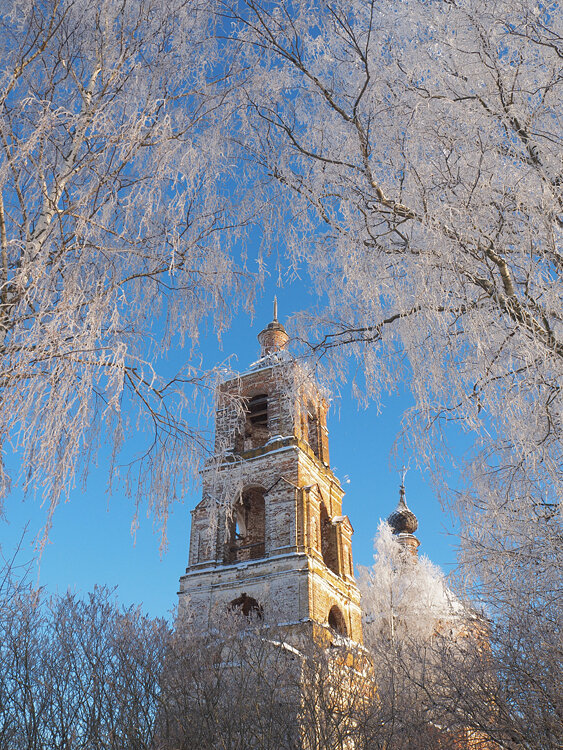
x,y
269,534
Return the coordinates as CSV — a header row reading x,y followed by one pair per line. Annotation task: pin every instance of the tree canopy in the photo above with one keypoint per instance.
x,y
113,235
409,154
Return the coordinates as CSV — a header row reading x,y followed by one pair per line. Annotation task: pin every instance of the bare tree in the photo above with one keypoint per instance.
x,y
244,684
88,674
110,218
232,687
440,664
77,674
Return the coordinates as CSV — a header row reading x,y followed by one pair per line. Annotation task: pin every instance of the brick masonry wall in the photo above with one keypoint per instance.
x,y
306,568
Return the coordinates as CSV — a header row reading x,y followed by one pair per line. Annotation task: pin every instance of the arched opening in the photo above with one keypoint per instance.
x,y
247,605
247,527
256,428
329,549
255,431
336,621
258,409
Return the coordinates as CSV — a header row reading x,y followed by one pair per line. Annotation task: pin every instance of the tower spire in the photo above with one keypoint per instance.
x,y
275,309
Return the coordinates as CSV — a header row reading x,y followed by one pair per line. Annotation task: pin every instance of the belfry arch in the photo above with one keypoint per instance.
x,y
336,621
246,527
329,546
247,606
255,429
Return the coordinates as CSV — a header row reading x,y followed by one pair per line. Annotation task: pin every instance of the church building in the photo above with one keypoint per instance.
x,y
270,534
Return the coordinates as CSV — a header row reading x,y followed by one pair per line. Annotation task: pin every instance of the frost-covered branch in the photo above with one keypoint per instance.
x,y
412,152
114,234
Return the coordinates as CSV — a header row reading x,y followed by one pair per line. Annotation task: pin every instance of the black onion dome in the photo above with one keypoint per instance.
x,y
403,520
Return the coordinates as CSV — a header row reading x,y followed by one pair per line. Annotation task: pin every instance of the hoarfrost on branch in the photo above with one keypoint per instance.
x,y
414,152
409,155
111,212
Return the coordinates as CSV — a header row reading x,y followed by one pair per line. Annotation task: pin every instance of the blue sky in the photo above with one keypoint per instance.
x,y
91,542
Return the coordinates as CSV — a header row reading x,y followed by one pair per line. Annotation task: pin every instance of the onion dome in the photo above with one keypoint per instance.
x,y
274,337
403,520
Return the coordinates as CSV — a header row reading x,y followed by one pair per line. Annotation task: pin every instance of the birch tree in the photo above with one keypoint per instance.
x,y
414,152
110,215
403,596
418,149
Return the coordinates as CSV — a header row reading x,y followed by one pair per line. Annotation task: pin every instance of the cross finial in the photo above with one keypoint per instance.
x,y
275,309
403,475
402,488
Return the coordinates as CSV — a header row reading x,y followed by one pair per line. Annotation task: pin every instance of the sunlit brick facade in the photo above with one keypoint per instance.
x,y
269,532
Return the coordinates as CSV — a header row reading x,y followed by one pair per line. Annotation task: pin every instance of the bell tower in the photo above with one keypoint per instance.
x,y
269,534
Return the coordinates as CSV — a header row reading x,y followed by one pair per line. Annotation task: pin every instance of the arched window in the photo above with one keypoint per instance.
x,y
329,549
255,432
336,621
258,410
247,527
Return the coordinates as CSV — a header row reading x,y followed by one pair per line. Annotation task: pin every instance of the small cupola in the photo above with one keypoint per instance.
x,y
404,523
274,337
